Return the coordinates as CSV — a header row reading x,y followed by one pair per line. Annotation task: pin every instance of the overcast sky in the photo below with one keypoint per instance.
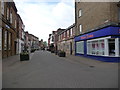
x,y
41,17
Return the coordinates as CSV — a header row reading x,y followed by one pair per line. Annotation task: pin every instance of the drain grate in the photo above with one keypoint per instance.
x,y
91,66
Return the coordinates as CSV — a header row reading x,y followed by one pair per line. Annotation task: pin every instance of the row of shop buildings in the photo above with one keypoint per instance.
x,y
13,37
95,33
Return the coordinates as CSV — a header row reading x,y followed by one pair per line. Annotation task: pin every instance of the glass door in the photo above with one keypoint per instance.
x,y
111,47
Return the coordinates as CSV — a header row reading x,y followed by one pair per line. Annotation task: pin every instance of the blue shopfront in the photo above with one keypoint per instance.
x,y
102,44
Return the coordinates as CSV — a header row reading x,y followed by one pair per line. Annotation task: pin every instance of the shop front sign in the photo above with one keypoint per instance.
x,y
108,31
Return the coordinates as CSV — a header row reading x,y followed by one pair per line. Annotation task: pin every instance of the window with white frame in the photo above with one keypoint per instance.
x,y
22,34
80,47
71,32
7,13
11,17
96,47
80,13
5,40
2,7
80,28
0,38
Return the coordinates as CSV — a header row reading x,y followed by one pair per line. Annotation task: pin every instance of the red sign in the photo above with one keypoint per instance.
x,y
87,36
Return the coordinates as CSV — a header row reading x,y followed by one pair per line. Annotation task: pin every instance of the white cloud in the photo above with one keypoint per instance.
x,y
42,18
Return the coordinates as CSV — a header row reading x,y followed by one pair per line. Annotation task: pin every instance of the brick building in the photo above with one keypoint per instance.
x,y
56,38
34,41
97,30
66,40
9,28
26,41
69,40
20,35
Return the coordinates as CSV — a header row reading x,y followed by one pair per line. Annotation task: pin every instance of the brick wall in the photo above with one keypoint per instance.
x,y
95,14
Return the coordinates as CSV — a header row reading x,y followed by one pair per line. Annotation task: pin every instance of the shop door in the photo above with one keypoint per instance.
x,y
111,45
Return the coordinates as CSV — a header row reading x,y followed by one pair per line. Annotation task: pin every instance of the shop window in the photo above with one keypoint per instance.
x,y
102,47
111,47
80,47
95,47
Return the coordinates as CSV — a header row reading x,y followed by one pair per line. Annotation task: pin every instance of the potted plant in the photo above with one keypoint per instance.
x,y
24,56
61,54
32,50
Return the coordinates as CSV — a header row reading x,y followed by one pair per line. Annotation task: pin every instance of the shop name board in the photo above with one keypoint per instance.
x,y
87,36
108,31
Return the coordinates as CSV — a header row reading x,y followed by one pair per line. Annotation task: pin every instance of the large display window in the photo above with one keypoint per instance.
x,y
95,47
80,47
105,46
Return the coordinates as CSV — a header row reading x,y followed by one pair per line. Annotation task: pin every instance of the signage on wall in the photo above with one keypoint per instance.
x,y
87,36
108,31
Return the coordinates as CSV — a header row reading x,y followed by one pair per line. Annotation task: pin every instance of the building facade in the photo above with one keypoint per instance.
x,y
9,28
56,38
69,40
33,41
97,30
20,35
66,40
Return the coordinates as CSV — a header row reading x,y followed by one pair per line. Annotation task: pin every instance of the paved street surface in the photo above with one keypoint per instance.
x,y
47,70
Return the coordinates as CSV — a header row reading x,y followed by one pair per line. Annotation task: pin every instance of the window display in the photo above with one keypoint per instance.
x,y
80,47
95,47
